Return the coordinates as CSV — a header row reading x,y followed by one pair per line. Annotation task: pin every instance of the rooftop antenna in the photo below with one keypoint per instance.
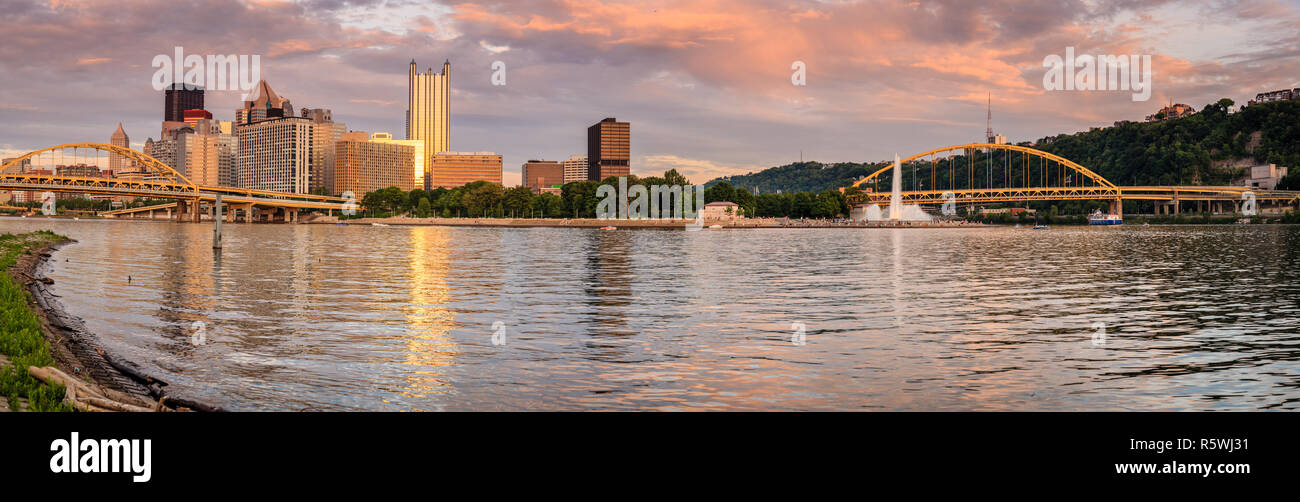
x,y
989,133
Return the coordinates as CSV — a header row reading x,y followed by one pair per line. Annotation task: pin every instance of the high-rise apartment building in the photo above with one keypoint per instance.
x,y
575,169
608,149
418,164
455,169
543,175
363,166
275,154
119,138
181,97
428,114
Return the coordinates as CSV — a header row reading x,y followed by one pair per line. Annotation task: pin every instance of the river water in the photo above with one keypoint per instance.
x,y
322,317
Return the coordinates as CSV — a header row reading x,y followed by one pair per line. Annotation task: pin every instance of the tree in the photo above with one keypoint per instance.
x,y
518,199
424,207
721,192
481,196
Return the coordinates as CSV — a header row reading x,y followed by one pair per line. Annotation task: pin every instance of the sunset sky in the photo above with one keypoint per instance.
x,y
706,84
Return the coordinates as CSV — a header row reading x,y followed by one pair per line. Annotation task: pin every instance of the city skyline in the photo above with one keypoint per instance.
x,y
875,83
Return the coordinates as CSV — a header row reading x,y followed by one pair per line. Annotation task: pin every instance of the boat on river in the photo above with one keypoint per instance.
x,y
1099,218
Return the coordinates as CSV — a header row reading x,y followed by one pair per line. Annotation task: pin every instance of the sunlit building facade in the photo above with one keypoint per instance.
x,y
428,114
454,169
418,162
363,166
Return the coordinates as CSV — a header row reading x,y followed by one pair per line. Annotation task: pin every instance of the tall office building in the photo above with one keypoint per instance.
x,y
362,165
326,133
455,169
542,175
608,149
207,157
119,138
179,98
575,169
428,114
275,154
265,104
418,164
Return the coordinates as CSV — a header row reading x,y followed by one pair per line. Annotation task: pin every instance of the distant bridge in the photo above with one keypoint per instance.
x,y
161,181
989,173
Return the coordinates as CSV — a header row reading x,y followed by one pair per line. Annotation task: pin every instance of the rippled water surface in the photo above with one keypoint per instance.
x,y
402,318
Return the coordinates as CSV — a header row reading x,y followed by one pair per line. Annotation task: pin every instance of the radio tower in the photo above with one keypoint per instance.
x,y
988,134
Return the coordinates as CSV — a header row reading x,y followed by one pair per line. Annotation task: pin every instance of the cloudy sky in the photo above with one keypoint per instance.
x,y
706,84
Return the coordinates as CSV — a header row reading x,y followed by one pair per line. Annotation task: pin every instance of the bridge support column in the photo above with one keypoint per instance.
x,y
1117,206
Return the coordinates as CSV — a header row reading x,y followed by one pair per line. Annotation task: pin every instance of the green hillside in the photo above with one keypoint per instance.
x,y
1211,147
800,177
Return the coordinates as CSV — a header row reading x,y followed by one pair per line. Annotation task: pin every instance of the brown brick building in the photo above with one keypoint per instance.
x,y
542,174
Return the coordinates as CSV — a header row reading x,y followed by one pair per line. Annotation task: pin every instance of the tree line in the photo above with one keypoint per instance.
x,y
579,199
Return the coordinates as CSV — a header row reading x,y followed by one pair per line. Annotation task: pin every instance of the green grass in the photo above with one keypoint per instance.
x,y
20,331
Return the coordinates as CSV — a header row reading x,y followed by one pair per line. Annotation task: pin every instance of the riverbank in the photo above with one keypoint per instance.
x,y
39,332
21,341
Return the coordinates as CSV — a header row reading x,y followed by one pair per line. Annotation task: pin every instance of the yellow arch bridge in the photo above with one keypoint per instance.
x,y
989,173
151,178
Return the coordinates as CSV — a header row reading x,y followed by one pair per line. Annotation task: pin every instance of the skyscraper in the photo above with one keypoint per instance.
x,y
325,133
207,157
608,149
265,104
428,115
119,138
178,99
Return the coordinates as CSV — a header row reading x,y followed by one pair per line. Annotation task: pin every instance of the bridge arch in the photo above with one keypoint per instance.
x,y
1073,166
140,158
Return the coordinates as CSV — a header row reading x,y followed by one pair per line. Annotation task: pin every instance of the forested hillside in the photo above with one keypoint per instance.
x,y
1211,147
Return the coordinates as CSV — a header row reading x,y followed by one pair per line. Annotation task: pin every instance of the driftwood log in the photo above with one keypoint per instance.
x,y
155,387
81,395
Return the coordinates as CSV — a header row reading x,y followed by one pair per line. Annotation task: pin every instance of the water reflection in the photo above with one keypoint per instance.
x,y
429,321
366,318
